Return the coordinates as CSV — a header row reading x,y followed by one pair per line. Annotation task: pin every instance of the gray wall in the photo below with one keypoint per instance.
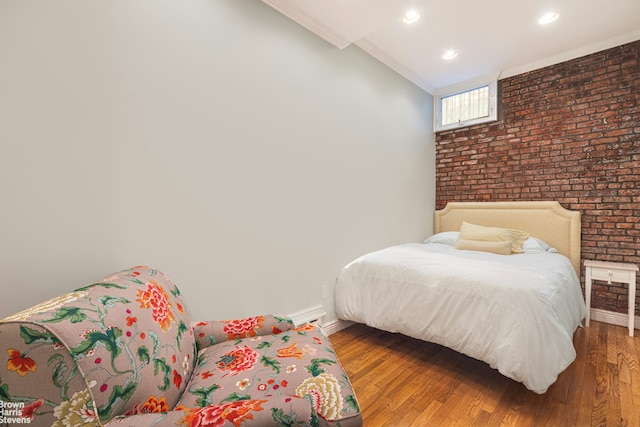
x,y
215,140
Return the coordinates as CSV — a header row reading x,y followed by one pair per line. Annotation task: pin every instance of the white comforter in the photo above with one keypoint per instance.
x,y
517,313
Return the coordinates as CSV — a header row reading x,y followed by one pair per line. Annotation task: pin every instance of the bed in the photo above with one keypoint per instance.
x,y
517,312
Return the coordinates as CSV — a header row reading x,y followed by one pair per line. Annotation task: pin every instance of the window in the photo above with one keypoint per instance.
x,y
465,105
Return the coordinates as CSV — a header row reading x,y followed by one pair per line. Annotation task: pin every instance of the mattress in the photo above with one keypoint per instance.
x,y
515,312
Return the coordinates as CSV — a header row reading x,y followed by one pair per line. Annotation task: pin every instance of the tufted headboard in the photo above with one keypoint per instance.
x,y
546,220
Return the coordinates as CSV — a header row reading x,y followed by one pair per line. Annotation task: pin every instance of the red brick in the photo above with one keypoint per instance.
x,y
568,132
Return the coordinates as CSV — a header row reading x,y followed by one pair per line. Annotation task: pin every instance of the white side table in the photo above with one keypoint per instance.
x,y
611,272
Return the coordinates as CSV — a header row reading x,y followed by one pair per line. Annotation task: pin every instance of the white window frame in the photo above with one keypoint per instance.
x,y
490,81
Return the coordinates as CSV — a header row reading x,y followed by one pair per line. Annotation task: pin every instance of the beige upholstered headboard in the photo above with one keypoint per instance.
x,y
548,221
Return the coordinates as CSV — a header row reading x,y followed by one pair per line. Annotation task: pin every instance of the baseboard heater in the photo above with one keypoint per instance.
x,y
308,315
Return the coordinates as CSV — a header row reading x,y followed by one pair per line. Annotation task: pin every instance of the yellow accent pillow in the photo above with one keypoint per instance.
x,y
500,248
494,234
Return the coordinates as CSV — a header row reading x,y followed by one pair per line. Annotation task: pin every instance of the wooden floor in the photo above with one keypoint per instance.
x,y
400,381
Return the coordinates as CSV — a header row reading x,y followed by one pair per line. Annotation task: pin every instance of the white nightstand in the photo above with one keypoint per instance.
x,y
611,272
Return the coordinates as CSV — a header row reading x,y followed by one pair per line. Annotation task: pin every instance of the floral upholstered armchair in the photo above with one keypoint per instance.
x,y
124,352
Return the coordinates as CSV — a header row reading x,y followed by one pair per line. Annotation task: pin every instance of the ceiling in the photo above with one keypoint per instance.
x,y
492,37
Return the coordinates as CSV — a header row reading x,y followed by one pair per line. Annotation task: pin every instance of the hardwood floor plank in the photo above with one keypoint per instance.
x,y
612,345
409,417
576,371
425,416
401,381
482,420
592,355
634,370
588,391
625,357
627,363
599,412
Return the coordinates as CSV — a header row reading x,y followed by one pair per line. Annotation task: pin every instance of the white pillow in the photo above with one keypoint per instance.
x,y
533,244
448,238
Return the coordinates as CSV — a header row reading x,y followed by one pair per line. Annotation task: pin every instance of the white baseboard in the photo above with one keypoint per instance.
x,y
335,326
612,317
605,316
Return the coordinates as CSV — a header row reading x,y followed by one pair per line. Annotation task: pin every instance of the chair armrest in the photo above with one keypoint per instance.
x,y
211,332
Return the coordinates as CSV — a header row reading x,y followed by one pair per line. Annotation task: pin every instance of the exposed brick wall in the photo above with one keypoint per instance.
x,y
569,132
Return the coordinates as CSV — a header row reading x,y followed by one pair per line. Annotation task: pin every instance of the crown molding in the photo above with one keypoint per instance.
x,y
299,16
387,60
573,54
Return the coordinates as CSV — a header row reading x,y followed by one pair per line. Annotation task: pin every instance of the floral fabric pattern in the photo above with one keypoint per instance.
x,y
156,298
152,405
28,411
19,363
52,304
291,351
243,328
296,364
325,395
215,415
239,360
124,352
77,411
126,338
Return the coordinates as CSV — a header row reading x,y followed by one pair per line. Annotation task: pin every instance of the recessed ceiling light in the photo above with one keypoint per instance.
x,y
548,18
450,54
411,16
